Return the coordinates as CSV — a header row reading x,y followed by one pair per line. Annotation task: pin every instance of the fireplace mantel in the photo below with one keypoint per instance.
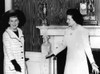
x,y
56,33
59,30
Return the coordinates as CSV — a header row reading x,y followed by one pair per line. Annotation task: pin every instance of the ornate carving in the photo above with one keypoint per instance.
x,y
91,8
46,46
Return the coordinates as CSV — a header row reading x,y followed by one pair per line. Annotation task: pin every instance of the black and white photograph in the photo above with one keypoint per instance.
x,y
49,36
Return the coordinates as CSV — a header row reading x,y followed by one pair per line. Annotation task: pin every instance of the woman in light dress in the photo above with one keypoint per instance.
x,y
76,39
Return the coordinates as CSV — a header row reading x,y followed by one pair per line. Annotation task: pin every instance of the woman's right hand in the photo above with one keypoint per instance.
x,y
49,55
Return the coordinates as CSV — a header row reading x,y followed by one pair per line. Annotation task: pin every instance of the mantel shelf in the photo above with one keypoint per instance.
x,y
64,27
59,30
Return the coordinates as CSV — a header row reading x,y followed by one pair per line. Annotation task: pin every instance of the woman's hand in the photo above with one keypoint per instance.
x,y
49,55
16,65
95,69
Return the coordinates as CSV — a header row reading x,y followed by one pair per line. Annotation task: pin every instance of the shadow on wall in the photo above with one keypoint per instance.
x,y
96,54
1,47
61,59
37,41
2,28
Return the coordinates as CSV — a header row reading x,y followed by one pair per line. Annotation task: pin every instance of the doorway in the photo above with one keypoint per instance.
x,y
2,10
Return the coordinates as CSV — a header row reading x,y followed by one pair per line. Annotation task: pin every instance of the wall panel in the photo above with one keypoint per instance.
x,y
33,9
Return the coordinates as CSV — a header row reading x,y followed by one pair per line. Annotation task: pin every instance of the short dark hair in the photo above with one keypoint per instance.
x,y
16,13
76,15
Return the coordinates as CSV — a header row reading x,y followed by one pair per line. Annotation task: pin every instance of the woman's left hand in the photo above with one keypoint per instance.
x,y
95,69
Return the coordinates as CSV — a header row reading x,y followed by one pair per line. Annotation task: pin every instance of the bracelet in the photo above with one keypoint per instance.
x,y
94,64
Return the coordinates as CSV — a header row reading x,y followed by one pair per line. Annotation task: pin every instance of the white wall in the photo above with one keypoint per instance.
x,y
8,5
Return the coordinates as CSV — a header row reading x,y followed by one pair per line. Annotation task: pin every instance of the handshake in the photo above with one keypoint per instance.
x,y
49,55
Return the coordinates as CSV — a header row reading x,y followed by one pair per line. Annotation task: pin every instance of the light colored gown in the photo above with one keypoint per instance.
x,y
77,42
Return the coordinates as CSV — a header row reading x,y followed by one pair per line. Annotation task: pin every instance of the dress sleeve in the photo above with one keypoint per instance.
x,y
61,46
87,47
7,46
